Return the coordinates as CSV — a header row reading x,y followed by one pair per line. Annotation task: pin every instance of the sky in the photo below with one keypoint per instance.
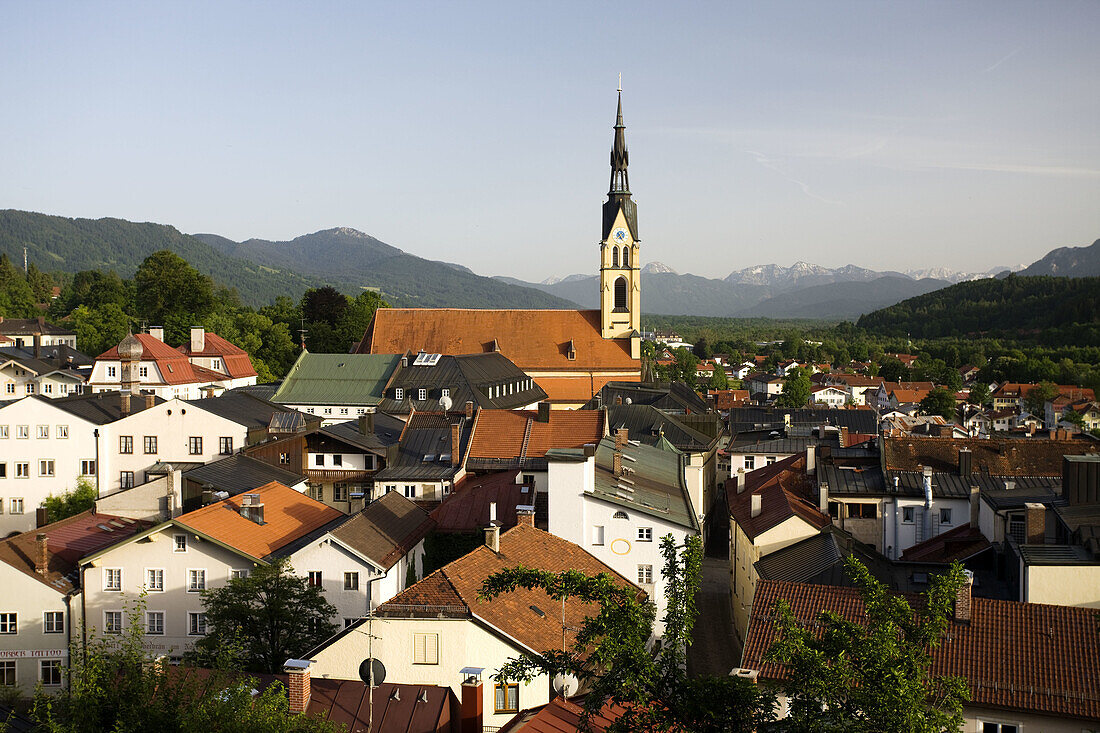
x,y
889,135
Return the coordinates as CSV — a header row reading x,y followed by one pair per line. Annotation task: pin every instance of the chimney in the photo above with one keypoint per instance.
x,y
617,463
757,504
1036,523
198,339
472,701
544,412
618,399
157,332
124,403
622,436
844,437
811,462
711,402
823,498
38,346
252,508
42,553
456,443
525,516
492,538
589,450
366,424
298,671
492,512
150,401
962,599
469,409
41,517
975,506
966,462
740,478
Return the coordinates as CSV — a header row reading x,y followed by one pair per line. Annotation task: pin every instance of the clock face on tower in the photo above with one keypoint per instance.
x,y
619,235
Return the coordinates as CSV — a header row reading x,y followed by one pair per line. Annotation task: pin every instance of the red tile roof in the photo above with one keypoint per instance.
x,y
467,508
1026,657
236,361
518,433
563,716
958,544
997,456
174,366
288,515
782,487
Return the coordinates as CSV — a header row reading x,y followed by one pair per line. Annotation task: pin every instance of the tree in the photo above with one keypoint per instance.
x,y
701,348
873,675
938,402
979,394
171,293
16,297
70,503
98,328
796,389
1036,398
325,304
270,616
718,378
611,659
893,370
1074,418
40,283
117,686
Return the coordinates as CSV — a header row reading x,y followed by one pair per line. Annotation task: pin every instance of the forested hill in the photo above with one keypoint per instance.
x,y
58,244
1043,308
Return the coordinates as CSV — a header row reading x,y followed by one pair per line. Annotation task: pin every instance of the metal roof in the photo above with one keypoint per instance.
x,y
337,379
674,397
647,423
426,436
100,407
742,419
240,473
652,482
469,377
387,432
1056,555
246,409
801,561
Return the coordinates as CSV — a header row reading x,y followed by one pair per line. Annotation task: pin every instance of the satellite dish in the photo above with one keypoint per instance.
x,y
628,401
369,664
445,402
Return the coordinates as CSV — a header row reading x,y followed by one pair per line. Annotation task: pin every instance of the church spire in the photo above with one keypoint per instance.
x,y
620,183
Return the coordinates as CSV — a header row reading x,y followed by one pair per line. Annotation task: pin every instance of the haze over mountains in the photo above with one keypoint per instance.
x,y
352,260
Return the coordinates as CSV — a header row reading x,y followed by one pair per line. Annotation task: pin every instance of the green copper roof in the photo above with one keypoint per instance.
x,y
337,379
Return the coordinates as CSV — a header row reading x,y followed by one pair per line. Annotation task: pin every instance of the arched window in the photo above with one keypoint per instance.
x,y
620,293
626,256
620,515
614,256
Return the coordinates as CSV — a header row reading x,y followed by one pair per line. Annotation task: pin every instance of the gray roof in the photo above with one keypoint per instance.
x,y
652,482
742,419
869,480
781,446
858,481
468,377
646,423
426,435
1028,489
263,391
1056,555
803,560
242,408
101,407
386,529
240,473
58,357
31,326
387,432
673,397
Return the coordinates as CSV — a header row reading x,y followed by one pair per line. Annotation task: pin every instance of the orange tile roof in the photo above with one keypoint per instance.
x,y
909,395
1027,657
174,366
532,339
455,587
782,487
236,361
578,389
503,433
288,516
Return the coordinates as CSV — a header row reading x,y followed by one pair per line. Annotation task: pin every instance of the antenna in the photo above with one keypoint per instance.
x,y
25,266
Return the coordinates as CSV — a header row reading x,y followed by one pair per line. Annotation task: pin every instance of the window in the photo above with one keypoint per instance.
x,y
908,514
425,648
284,458
445,392
645,574
398,393
750,463
154,579
62,432
49,672
53,622
196,624
614,256
194,445
945,516
597,534
8,623
343,410
45,467
834,509
4,432
179,543
22,469
319,459
143,372
410,491
339,492
112,371
626,256
126,479
507,697
87,468
349,621
528,479
316,491
314,578
390,487
125,444
351,581
620,293
10,387
150,444
862,511
15,504
112,579
421,394
328,410
154,623
619,515
30,387
43,432
225,446
238,573
22,432
196,580
338,460
769,460
999,727
7,672
645,534
112,622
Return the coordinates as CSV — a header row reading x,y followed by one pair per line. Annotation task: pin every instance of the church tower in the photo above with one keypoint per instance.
x,y
620,274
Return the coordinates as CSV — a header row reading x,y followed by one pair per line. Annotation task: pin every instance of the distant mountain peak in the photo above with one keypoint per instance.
x,y
658,268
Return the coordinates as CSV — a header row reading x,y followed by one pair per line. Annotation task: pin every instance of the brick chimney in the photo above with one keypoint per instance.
x,y
525,516
456,443
469,409
975,506
124,403
1036,523
298,671
473,698
757,504
492,538
966,462
41,553
617,463
963,598
823,497
622,436
150,401
544,412
366,424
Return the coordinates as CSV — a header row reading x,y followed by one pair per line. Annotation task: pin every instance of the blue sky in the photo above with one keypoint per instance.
x,y
889,135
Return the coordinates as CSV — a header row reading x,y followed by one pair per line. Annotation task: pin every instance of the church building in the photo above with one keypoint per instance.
x,y
571,354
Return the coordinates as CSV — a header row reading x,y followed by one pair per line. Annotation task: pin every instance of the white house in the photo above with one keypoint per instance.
x,y
829,396
21,376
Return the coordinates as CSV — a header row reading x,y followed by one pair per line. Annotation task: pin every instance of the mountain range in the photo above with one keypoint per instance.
x,y
351,261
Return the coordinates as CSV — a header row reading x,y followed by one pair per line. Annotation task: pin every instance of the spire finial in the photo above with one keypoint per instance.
x,y
620,82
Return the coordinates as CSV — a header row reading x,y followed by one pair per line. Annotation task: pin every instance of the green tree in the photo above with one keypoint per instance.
x,y
1036,398
40,283
70,503
170,292
893,370
270,616
98,328
1074,418
938,402
874,674
116,686
718,378
611,658
357,316
979,394
796,389
702,349
16,297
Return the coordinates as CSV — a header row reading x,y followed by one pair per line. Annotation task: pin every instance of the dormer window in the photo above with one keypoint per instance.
x,y
398,393
422,394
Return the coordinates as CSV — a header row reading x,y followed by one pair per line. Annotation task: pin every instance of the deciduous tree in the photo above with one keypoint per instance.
x,y
796,389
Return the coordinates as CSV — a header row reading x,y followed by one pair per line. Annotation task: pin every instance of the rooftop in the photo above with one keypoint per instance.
x,y
386,529
517,436
784,488
337,379
240,473
652,482
467,508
